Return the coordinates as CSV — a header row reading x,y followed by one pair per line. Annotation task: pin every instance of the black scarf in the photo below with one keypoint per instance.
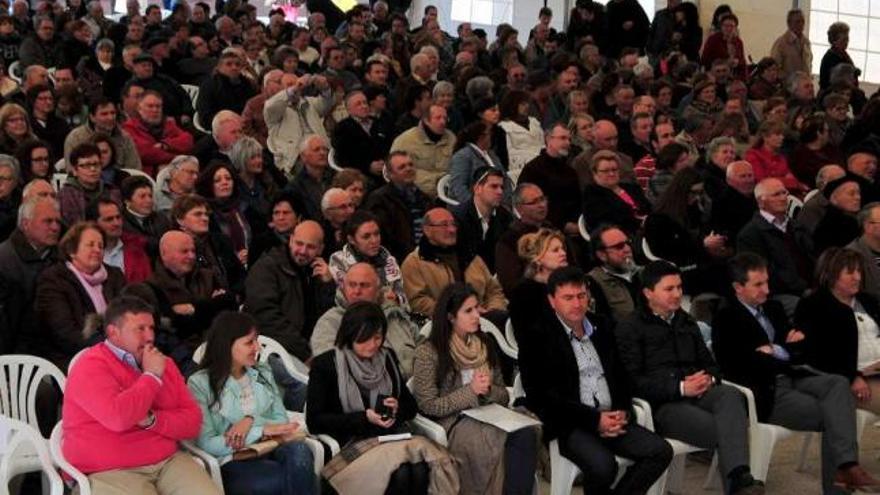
x,y
449,256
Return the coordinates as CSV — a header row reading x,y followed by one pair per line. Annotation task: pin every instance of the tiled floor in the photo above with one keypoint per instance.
x,y
782,478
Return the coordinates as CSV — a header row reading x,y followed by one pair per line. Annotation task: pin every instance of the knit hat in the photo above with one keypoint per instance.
x,y
833,185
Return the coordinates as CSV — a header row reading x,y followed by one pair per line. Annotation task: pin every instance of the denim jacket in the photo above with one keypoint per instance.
x,y
219,417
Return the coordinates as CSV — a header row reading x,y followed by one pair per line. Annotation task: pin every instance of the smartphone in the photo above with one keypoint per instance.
x,y
382,409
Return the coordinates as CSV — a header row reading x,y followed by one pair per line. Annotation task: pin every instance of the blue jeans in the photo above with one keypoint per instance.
x,y
288,470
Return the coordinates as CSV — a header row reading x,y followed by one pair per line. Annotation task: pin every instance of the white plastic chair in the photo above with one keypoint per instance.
x,y
563,472
794,206
810,195
646,250
762,437
20,377
26,451
58,181
488,327
863,418
331,161
61,166
192,91
582,228
82,481
443,191
134,171
511,336
15,71
197,124
269,346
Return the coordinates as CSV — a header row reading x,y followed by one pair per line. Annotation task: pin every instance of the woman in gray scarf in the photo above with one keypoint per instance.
x,y
357,396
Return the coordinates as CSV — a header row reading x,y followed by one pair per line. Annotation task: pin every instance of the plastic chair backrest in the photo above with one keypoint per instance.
x,y
20,377
582,228
443,191
132,171
295,367
58,181
192,91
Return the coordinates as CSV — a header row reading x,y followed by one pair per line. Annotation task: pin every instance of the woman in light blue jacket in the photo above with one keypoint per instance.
x,y
241,405
472,151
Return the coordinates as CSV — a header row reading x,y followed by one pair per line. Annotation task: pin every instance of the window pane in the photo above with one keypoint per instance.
x,y
874,35
830,5
857,7
859,57
872,70
819,22
818,53
482,12
502,12
858,31
461,10
875,8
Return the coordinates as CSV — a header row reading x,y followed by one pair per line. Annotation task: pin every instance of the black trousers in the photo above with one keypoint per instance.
x,y
594,456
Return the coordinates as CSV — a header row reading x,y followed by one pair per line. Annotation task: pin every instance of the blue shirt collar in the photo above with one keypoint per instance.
x,y
123,355
588,328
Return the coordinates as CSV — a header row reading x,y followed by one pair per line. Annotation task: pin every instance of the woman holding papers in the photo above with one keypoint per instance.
x,y
356,395
244,422
456,370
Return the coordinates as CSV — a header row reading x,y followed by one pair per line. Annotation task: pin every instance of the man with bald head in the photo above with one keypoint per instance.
x,y
430,145
187,296
361,283
605,137
771,234
430,268
290,287
735,204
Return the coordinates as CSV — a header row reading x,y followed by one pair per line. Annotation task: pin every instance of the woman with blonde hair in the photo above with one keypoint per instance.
x,y
543,251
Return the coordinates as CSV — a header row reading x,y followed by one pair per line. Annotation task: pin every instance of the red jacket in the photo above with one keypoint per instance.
x,y
716,48
175,142
138,266
767,164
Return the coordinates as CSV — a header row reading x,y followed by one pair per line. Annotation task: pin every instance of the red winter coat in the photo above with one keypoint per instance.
x,y
175,141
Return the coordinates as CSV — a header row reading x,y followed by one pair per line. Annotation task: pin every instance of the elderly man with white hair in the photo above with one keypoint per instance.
x,y
175,180
421,72
814,208
290,116
225,131
29,250
771,234
359,141
336,208
313,177
735,204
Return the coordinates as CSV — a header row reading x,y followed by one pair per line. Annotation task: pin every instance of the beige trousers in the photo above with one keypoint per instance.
x,y
177,475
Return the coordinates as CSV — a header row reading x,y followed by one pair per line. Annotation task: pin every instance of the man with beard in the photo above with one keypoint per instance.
x,y
612,283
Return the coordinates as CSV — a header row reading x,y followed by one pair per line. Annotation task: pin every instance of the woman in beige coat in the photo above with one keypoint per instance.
x,y
456,369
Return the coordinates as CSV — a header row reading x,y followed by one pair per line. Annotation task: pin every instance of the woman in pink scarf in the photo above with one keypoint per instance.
x,y
72,293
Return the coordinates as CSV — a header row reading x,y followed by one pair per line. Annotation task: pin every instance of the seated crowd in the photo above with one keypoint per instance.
x,y
649,215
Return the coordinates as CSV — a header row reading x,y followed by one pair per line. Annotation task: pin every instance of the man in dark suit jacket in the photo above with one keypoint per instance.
x,y
482,221
359,141
756,347
574,382
663,350
770,234
400,206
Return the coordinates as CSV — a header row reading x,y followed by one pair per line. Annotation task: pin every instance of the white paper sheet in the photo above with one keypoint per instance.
x,y
501,417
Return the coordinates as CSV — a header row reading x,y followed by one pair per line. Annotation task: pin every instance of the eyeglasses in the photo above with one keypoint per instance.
x,y
618,246
444,225
536,201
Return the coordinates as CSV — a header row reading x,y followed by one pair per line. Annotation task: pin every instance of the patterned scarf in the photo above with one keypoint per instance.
x,y
469,353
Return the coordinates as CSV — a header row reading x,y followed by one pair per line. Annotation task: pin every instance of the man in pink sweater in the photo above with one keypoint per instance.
x,y
126,407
